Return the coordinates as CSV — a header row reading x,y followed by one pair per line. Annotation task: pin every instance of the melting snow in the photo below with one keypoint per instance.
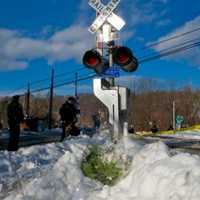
x,y
52,172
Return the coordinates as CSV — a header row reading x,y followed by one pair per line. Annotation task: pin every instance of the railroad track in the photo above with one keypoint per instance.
x,y
30,138
182,144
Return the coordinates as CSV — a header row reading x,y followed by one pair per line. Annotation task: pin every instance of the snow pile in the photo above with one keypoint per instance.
x,y
17,168
47,171
153,173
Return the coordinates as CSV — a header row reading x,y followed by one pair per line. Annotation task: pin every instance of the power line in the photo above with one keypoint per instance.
x,y
56,79
148,46
40,81
65,83
78,80
71,72
172,47
58,75
172,38
164,52
36,83
64,80
145,59
45,88
167,53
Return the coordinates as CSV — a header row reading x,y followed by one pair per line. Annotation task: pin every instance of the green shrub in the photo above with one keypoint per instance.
x,y
97,168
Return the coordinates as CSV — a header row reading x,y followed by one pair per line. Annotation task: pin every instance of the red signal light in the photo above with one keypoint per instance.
x,y
92,59
123,57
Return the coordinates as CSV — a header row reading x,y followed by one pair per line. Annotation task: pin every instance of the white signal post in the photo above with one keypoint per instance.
x,y
106,24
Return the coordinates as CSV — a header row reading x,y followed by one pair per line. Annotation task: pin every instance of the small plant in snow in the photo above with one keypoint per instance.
x,y
96,167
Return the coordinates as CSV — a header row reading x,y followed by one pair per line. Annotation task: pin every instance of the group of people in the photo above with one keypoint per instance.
x,y
68,115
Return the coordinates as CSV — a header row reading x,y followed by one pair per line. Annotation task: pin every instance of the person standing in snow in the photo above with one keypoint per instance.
x,y
131,129
1,125
15,117
68,114
96,121
154,128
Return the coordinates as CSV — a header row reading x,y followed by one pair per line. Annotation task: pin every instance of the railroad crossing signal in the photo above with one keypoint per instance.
x,y
106,25
122,56
105,15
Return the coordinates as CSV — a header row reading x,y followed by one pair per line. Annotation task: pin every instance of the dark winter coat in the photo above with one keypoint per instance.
x,y
15,113
154,129
68,113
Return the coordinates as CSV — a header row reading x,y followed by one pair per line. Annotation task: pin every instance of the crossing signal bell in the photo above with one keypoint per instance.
x,y
122,56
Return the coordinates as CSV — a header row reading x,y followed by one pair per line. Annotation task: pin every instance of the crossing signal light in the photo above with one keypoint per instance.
x,y
92,59
124,58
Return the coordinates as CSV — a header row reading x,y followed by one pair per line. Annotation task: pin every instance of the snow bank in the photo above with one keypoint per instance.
x,y
153,173
43,172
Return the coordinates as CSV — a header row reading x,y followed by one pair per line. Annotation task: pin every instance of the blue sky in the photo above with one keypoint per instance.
x,y
38,35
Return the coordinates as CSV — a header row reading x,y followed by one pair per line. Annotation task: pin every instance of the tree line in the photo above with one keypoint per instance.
x,y
148,103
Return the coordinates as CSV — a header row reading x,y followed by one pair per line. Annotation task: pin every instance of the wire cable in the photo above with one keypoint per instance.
x,y
145,59
174,46
167,53
172,38
56,76
164,52
64,83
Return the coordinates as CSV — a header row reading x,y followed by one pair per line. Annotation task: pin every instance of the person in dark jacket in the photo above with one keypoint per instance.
x,y
131,129
1,125
68,114
170,128
15,117
96,121
154,128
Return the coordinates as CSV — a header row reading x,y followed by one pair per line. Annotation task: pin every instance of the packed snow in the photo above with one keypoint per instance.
x,y
52,172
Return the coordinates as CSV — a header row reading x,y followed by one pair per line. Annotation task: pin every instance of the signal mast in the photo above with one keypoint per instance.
x,y
107,64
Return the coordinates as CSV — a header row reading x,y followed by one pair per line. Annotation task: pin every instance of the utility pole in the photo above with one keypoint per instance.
x,y
51,100
134,86
174,115
76,84
28,101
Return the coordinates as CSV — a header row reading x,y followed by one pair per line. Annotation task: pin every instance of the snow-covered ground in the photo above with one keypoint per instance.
x,y
52,172
194,134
